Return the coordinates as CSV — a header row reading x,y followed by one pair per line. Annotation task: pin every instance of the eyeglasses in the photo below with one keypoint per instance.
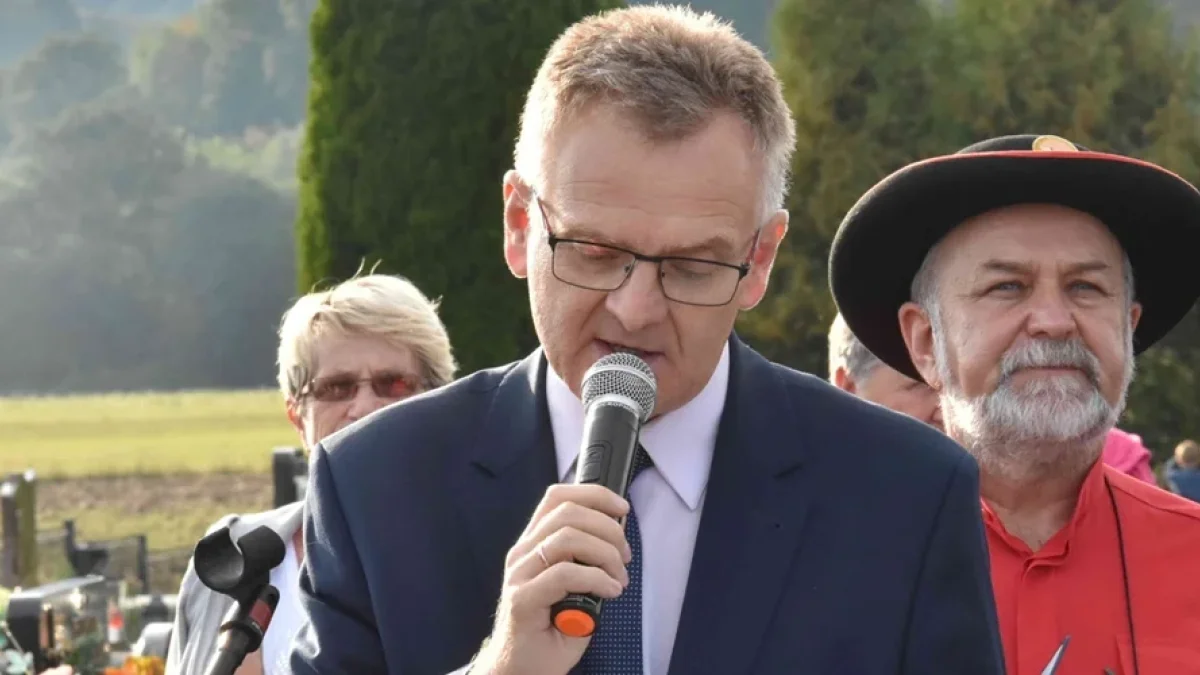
x,y
603,267
341,388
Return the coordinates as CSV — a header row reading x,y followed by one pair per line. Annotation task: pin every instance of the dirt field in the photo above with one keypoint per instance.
x,y
166,465
133,495
173,510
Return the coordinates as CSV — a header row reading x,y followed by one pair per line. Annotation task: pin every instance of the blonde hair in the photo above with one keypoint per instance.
x,y
671,69
1187,454
377,305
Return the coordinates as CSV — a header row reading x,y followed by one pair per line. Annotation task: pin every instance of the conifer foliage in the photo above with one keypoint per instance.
x,y
412,116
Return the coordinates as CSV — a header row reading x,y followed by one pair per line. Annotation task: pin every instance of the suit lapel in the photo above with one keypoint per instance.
x,y
509,468
751,524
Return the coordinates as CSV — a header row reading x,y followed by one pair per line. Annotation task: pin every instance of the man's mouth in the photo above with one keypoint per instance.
x,y
1055,369
1056,372
612,347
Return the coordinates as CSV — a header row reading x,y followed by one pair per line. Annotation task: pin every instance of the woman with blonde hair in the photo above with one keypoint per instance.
x,y
343,354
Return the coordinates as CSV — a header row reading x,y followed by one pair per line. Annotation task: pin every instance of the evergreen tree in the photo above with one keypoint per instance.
x,y
412,116
855,75
1105,74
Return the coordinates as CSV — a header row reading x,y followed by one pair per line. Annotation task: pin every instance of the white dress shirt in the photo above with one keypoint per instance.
x,y
667,497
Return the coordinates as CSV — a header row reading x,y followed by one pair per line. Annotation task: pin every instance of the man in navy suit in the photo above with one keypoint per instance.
x,y
778,526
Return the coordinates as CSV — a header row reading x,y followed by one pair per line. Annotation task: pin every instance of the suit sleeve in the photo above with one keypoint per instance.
x,y
340,635
953,626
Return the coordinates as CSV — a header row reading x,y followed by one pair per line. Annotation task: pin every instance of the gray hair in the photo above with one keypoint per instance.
x,y
377,305
670,69
846,351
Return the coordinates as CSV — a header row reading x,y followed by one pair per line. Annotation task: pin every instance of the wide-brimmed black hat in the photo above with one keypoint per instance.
x,y
881,244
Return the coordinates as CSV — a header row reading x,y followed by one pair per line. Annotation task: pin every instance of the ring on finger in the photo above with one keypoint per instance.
x,y
541,552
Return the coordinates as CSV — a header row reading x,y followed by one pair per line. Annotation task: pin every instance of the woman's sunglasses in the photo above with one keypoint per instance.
x,y
341,388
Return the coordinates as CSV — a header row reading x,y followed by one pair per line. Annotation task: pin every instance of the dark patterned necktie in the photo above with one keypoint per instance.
x,y
616,646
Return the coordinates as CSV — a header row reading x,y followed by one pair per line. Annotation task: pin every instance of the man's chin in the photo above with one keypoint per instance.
x,y
1074,399
1031,419
1060,429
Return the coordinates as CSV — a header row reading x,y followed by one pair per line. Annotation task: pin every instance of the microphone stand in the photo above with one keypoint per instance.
x,y
243,631
242,571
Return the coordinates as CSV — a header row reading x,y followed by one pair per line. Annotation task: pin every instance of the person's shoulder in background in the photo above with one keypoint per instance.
x,y
200,610
1126,453
1183,481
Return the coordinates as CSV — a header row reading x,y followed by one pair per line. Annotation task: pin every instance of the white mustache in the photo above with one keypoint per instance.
x,y
1051,354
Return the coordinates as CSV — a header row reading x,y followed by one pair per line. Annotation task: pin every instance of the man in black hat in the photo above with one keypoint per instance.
x,y
1019,277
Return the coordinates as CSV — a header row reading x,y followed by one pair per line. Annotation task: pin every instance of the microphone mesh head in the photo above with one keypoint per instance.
x,y
622,374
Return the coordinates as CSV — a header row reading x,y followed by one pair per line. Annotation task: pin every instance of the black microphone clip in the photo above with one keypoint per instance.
x,y
242,571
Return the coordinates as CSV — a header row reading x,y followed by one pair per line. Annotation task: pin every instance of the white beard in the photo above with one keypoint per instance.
x,y
1052,425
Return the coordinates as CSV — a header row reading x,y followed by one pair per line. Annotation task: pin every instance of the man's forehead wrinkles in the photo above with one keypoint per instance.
x,y
603,217
661,203
1028,266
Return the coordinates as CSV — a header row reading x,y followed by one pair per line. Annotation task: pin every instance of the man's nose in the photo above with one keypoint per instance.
x,y
640,301
1050,315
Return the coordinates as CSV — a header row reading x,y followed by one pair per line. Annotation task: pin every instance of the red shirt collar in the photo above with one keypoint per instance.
x,y
1090,494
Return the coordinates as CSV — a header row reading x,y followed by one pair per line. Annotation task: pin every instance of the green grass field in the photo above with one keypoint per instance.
x,y
166,465
124,434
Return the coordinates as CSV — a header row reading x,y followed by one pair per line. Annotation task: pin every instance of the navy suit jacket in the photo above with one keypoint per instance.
x,y
836,536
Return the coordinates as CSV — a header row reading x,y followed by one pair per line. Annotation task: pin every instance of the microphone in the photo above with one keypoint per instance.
x,y
619,393
242,631
240,570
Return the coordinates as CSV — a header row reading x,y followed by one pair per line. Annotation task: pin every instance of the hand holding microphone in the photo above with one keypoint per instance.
x,y
619,393
572,555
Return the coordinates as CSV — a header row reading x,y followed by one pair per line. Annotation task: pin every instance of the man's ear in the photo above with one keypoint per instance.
x,y
918,337
516,224
1135,315
762,259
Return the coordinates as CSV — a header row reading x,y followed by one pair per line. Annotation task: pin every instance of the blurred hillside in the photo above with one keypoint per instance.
x,y
147,186
147,172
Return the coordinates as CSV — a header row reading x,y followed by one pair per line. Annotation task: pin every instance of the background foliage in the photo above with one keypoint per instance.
x,y
411,126
153,225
